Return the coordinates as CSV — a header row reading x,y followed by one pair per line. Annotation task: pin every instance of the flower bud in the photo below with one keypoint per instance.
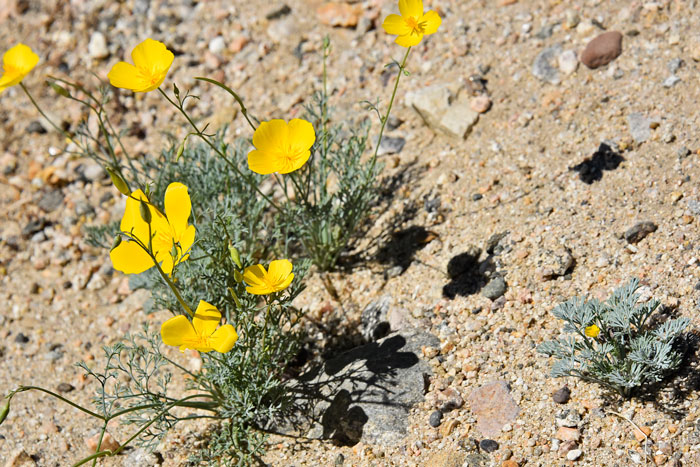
x,y
235,297
235,256
145,212
180,150
5,410
237,276
118,182
117,241
60,90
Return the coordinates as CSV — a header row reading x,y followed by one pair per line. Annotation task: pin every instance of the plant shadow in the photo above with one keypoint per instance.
x,y
467,274
591,169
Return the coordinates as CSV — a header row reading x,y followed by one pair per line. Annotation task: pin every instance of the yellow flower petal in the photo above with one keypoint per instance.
x,y
395,24
412,8
301,135
430,22
223,338
132,222
279,270
254,276
153,56
592,331
409,40
130,258
126,76
177,207
271,136
186,241
293,162
206,319
178,331
262,162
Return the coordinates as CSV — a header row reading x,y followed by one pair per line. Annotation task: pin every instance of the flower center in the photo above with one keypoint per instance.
x,y
415,26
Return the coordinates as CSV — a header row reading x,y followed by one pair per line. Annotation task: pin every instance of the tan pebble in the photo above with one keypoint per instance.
x,y
338,14
19,458
429,352
642,433
522,254
507,2
675,196
238,43
433,163
660,459
509,463
566,446
687,219
108,443
567,434
672,428
447,428
480,104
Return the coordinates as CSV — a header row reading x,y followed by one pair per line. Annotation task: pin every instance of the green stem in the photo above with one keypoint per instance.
x,y
385,118
56,127
51,393
214,148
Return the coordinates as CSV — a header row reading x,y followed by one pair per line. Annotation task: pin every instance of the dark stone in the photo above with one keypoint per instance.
x,y
493,246
277,13
375,323
477,196
365,393
591,169
65,387
562,395
393,123
391,145
435,419
36,127
21,338
339,460
640,230
51,200
488,445
495,288
34,226
602,49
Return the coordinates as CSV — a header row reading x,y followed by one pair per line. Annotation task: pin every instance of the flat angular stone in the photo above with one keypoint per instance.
x,y
494,407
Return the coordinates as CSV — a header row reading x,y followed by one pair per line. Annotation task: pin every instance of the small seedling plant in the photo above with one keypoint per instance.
x,y
615,343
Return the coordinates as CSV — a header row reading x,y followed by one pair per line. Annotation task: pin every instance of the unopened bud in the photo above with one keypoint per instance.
x,y
118,181
180,150
5,410
235,297
60,90
235,256
237,276
145,212
117,241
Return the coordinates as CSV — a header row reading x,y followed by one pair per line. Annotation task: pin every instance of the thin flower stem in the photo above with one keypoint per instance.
x,y
56,127
77,406
215,149
385,118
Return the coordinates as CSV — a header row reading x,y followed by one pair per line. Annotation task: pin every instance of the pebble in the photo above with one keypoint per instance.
x,y
642,434
574,454
509,463
675,65
568,418
435,418
21,338
480,104
639,127
458,120
97,47
217,45
338,14
488,445
19,458
543,66
278,12
568,62
493,407
671,81
602,49
450,399
65,387
551,264
36,127
565,433
562,395
639,231
391,145
108,442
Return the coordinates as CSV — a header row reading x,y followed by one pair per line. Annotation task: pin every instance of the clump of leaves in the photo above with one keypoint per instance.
x,y
614,343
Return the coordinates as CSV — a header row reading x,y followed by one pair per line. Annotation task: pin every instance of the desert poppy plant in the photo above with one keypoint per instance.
x,y
16,63
412,24
170,235
275,279
280,146
152,61
592,331
201,333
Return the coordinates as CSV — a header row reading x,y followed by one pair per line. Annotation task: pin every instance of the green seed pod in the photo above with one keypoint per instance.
x,y
117,241
118,182
60,90
235,297
237,276
180,150
145,212
5,410
235,256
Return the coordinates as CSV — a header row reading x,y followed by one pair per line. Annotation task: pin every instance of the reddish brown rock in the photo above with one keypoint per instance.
x,y
338,14
567,434
602,50
494,407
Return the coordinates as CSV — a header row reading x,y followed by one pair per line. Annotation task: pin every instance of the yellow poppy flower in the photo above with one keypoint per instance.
x,y
16,63
152,61
261,282
280,146
412,25
169,234
201,334
592,331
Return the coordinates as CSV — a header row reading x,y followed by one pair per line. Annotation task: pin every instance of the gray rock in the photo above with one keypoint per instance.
x,y
494,407
639,127
568,418
51,200
488,445
97,47
495,288
694,206
562,395
638,231
375,323
65,387
544,65
141,7
554,263
141,457
431,103
458,120
574,454
435,419
391,145
36,127
93,172
366,393
675,65
671,81
278,12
